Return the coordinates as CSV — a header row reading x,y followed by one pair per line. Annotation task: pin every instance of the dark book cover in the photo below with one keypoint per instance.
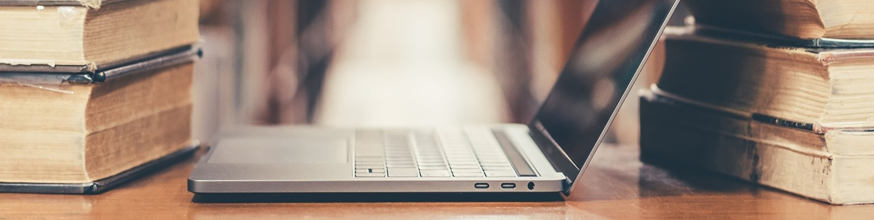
x,y
52,78
819,43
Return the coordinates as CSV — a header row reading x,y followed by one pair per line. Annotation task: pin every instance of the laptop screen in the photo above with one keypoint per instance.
x,y
602,65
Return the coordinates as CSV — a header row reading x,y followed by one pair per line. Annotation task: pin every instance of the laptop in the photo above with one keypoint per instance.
x,y
547,155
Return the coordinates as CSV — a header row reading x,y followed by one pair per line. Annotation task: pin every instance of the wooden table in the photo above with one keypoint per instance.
x,y
617,185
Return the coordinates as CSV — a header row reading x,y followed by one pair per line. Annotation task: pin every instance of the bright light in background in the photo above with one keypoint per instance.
x,y
402,65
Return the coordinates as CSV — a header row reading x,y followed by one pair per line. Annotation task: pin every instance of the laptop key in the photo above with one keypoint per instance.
x,y
377,170
500,173
467,170
359,170
423,164
493,160
499,169
432,167
435,173
401,166
403,172
365,174
497,165
467,174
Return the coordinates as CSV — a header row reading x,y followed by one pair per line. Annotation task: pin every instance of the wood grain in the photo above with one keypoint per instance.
x,y
617,186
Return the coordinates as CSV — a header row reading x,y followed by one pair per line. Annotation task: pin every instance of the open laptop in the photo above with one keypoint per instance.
x,y
547,155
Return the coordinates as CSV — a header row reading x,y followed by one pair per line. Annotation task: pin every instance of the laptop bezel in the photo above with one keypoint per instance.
x,y
556,155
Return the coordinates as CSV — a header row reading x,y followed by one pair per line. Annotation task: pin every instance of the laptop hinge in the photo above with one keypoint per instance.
x,y
554,154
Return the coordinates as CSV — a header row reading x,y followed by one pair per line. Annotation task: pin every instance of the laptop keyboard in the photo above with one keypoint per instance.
x,y
441,153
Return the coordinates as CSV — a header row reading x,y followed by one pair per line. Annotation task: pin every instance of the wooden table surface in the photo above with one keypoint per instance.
x,y
617,186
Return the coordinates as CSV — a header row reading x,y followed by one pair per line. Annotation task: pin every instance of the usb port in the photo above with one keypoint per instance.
x,y
481,185
508,185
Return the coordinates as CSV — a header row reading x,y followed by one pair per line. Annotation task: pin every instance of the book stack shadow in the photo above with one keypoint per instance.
x,y
775,92
94,93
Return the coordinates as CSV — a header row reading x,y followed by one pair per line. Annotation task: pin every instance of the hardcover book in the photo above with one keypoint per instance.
x,y
87,35
801,19
87,136
831,166
821,87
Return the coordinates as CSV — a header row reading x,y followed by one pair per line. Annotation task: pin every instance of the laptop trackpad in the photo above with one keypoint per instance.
x,y
272,150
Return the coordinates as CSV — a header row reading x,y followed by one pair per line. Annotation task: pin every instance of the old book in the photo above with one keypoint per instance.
x,y
97,130
832,166
86,35
805,19
823,88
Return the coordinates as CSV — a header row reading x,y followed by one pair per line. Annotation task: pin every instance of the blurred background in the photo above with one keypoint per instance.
x,y
392,63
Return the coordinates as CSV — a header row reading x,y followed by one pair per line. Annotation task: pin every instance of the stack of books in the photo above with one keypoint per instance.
x,y
93,93
775,92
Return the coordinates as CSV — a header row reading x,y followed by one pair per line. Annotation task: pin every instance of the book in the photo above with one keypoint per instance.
x,y
822,88
95,131
803,19
86,35
768,39
102,185
831,166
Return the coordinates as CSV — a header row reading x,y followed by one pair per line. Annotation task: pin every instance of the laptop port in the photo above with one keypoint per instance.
x,y
481,185
508,185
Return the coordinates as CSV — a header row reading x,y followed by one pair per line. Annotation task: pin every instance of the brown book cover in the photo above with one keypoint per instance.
x,y
40,125
822,88
831,166
800,19
76,36
104,184
53,81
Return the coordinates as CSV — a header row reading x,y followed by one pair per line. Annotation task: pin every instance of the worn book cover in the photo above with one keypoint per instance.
x,y
830,166
799,19
84,133
86,35
822,87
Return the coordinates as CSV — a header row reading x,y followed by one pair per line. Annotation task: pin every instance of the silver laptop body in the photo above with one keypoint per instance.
x,y
547,155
